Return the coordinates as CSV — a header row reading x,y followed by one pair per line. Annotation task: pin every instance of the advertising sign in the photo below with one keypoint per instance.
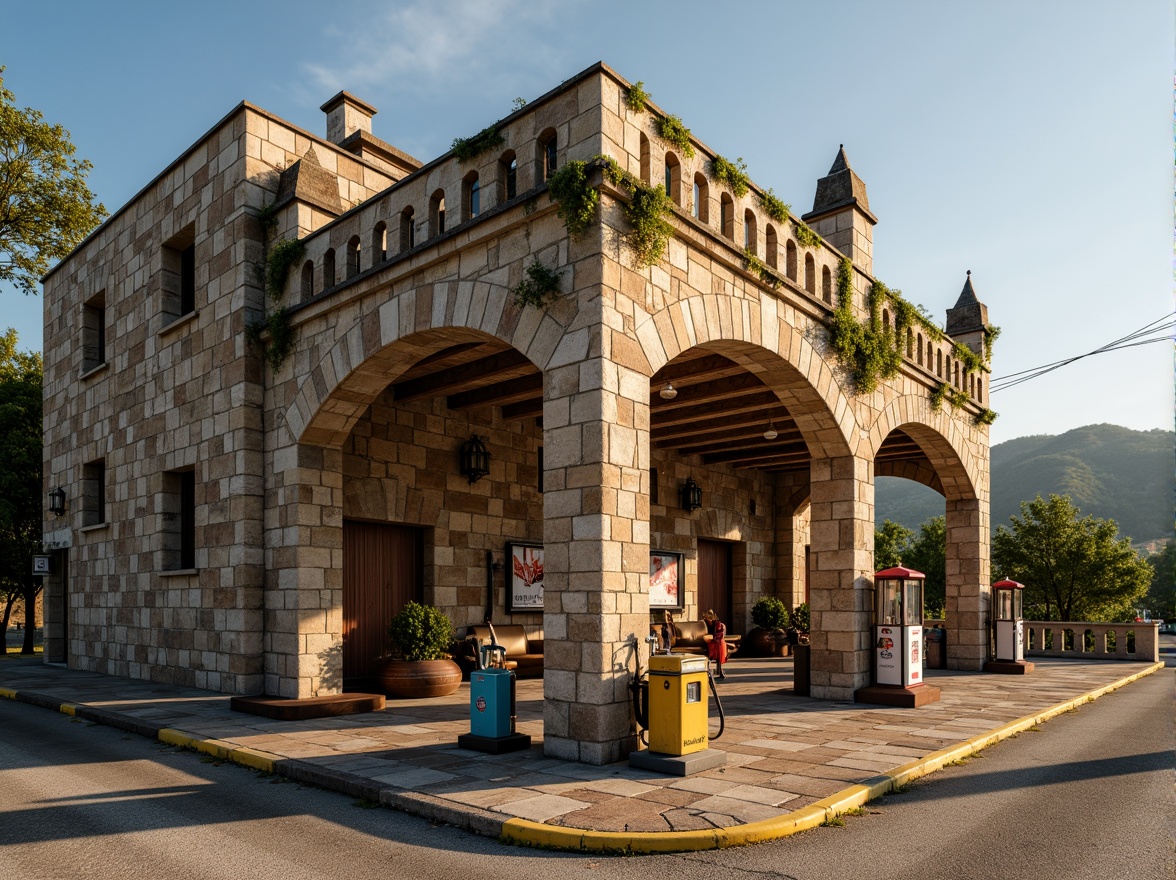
x,y
913,639
888,654
524,591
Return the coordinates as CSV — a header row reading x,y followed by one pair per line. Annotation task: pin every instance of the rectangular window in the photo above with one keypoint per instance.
x,y
94,493
178,275
653,486
94,332
178,523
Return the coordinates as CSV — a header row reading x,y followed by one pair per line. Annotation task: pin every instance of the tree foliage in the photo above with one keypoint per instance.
x,y
1073,567
889,543
1161,597
925,551
20,478
45,206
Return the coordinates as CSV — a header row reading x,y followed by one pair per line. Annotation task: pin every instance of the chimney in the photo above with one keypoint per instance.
x,y
346,115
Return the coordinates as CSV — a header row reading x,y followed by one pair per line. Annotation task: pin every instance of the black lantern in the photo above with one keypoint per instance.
x,y
475,459
57,501
691,495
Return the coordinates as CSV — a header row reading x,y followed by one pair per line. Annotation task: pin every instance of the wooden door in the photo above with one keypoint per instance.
x,y
714,579
382,570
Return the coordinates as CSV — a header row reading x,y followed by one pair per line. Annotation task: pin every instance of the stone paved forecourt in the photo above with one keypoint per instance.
x,y
791,761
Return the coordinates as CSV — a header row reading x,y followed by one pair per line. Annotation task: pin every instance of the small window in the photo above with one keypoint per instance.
x,y
674,179
910,343
771,246
94,332
508,175
379,243
727,216
178,525
919,348
94,493
545,161
307,291
979,389
653,493
644,156
178,282
957,375
885,320
810,274
353,257
437,214
407,230
700,208
826,285
750,235
470,196
329,269
790,259
939,364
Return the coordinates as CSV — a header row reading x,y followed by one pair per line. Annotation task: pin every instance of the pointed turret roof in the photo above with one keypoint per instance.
x,y
968,314
840,188
308,181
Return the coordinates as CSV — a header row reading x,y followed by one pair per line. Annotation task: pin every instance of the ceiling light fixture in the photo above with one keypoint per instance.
x,y
771,433
669,392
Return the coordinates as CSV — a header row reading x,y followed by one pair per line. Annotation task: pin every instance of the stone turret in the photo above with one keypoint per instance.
x,y
841,213
346,115
968,319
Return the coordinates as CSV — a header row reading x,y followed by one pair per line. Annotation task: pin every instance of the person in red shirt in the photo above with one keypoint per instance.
x,y
717,649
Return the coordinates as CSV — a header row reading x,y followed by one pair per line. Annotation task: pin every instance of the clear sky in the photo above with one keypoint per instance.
x,y
1031,142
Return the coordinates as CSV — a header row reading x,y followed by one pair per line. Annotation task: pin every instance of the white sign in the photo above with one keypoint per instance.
x,y
888,654
913,642
41,565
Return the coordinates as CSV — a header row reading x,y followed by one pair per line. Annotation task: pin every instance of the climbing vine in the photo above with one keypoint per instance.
x,y
955,396
636,97
576,198
538,287
766,274
991,333
280,257
985,417
671,130
734,174
775,207
805,236
465,149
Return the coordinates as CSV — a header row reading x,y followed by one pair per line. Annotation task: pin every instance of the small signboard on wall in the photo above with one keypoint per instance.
x,y
665,580
524,585
41,566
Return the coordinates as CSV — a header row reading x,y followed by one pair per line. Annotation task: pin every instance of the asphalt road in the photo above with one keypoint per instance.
x,y
1090,795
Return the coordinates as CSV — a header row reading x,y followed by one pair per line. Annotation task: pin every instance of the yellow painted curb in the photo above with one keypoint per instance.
x,y
247,757
68,709
526,832
7,694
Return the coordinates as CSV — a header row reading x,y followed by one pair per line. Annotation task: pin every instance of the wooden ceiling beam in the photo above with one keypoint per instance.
x,y
754,403
509,364
747,441
525,409
691,372
721,426
500,393
704,392
771,450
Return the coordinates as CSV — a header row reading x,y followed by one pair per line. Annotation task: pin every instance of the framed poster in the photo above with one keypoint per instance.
x,y
666,576
524,585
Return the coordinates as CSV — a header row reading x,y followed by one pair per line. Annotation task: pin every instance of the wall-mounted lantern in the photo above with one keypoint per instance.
x,y
475,459
57,501
691,495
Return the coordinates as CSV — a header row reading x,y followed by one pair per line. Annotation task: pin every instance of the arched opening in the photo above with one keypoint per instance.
x,y
750,235
353,256
673,175
919,344
771,247
727,216
810,273
508,175
379,243
471,196
407,230
826,285
644,159
306,290
790,256
329,269
910,343
700,207
437,214
545,154
939,364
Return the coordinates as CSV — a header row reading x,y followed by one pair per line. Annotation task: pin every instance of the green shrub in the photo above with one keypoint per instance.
x,y
540,285
770,613
775,207
805,236
576,198
800,617
421,632
733,174
671,130
636,97
283,254
484,141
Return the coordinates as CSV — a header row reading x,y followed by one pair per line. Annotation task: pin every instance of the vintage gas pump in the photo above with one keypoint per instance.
x,y
1010,630
673,708
898,641
492,706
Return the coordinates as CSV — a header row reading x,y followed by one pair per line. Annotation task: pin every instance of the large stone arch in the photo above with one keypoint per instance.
x,y
950,450
382,343
755,334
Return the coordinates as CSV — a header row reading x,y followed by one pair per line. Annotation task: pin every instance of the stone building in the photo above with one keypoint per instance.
x,y
250,528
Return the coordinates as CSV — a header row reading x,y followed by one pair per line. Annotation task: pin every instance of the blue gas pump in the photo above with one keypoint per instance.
x,y
493,706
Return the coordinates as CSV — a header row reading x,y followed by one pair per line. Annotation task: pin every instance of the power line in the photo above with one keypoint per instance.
x,y
1142,336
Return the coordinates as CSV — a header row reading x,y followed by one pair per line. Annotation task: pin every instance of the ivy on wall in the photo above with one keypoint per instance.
x,y
636,97
805,236
280,257
985,417
775,207
465,149
538,287
733,174
671,130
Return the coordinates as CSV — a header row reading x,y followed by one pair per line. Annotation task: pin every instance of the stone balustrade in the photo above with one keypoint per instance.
x,y
1081,639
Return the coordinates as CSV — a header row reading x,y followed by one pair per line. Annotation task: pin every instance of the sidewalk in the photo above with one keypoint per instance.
x,y
791,761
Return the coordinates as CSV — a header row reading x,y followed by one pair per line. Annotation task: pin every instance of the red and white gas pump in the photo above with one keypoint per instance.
x,y
898,641
1010,630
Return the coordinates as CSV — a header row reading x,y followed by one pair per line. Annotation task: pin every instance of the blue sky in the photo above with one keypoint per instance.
x,y
1029,142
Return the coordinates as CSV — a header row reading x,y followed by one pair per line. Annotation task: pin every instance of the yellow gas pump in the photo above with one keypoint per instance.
x,y
677,704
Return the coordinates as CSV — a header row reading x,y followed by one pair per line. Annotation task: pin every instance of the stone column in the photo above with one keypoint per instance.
x,y
841,587
304,573
791,511
596,555
968,586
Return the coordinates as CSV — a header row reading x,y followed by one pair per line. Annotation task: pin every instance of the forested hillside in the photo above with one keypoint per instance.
x,y
1109,471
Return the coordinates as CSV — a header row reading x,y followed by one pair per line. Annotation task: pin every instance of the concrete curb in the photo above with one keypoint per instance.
x,y
527,833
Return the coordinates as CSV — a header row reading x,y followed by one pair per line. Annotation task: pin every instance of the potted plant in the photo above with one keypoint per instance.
x,y
768,638
798,633
421,665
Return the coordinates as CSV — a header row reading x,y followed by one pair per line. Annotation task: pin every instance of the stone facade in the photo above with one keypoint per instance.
x,y
413,265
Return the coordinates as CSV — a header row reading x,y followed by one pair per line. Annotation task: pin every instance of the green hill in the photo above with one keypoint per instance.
x,y
1109,471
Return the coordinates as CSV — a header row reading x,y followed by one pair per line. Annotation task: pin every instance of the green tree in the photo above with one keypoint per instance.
x,y
890,542
1161,597
928,553
20,479
45,206
1073,567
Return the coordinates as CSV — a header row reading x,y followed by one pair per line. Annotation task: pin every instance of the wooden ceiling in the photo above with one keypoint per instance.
x,y
720,411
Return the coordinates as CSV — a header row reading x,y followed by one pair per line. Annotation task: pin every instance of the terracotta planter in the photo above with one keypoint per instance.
x,y
766,643
416,679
